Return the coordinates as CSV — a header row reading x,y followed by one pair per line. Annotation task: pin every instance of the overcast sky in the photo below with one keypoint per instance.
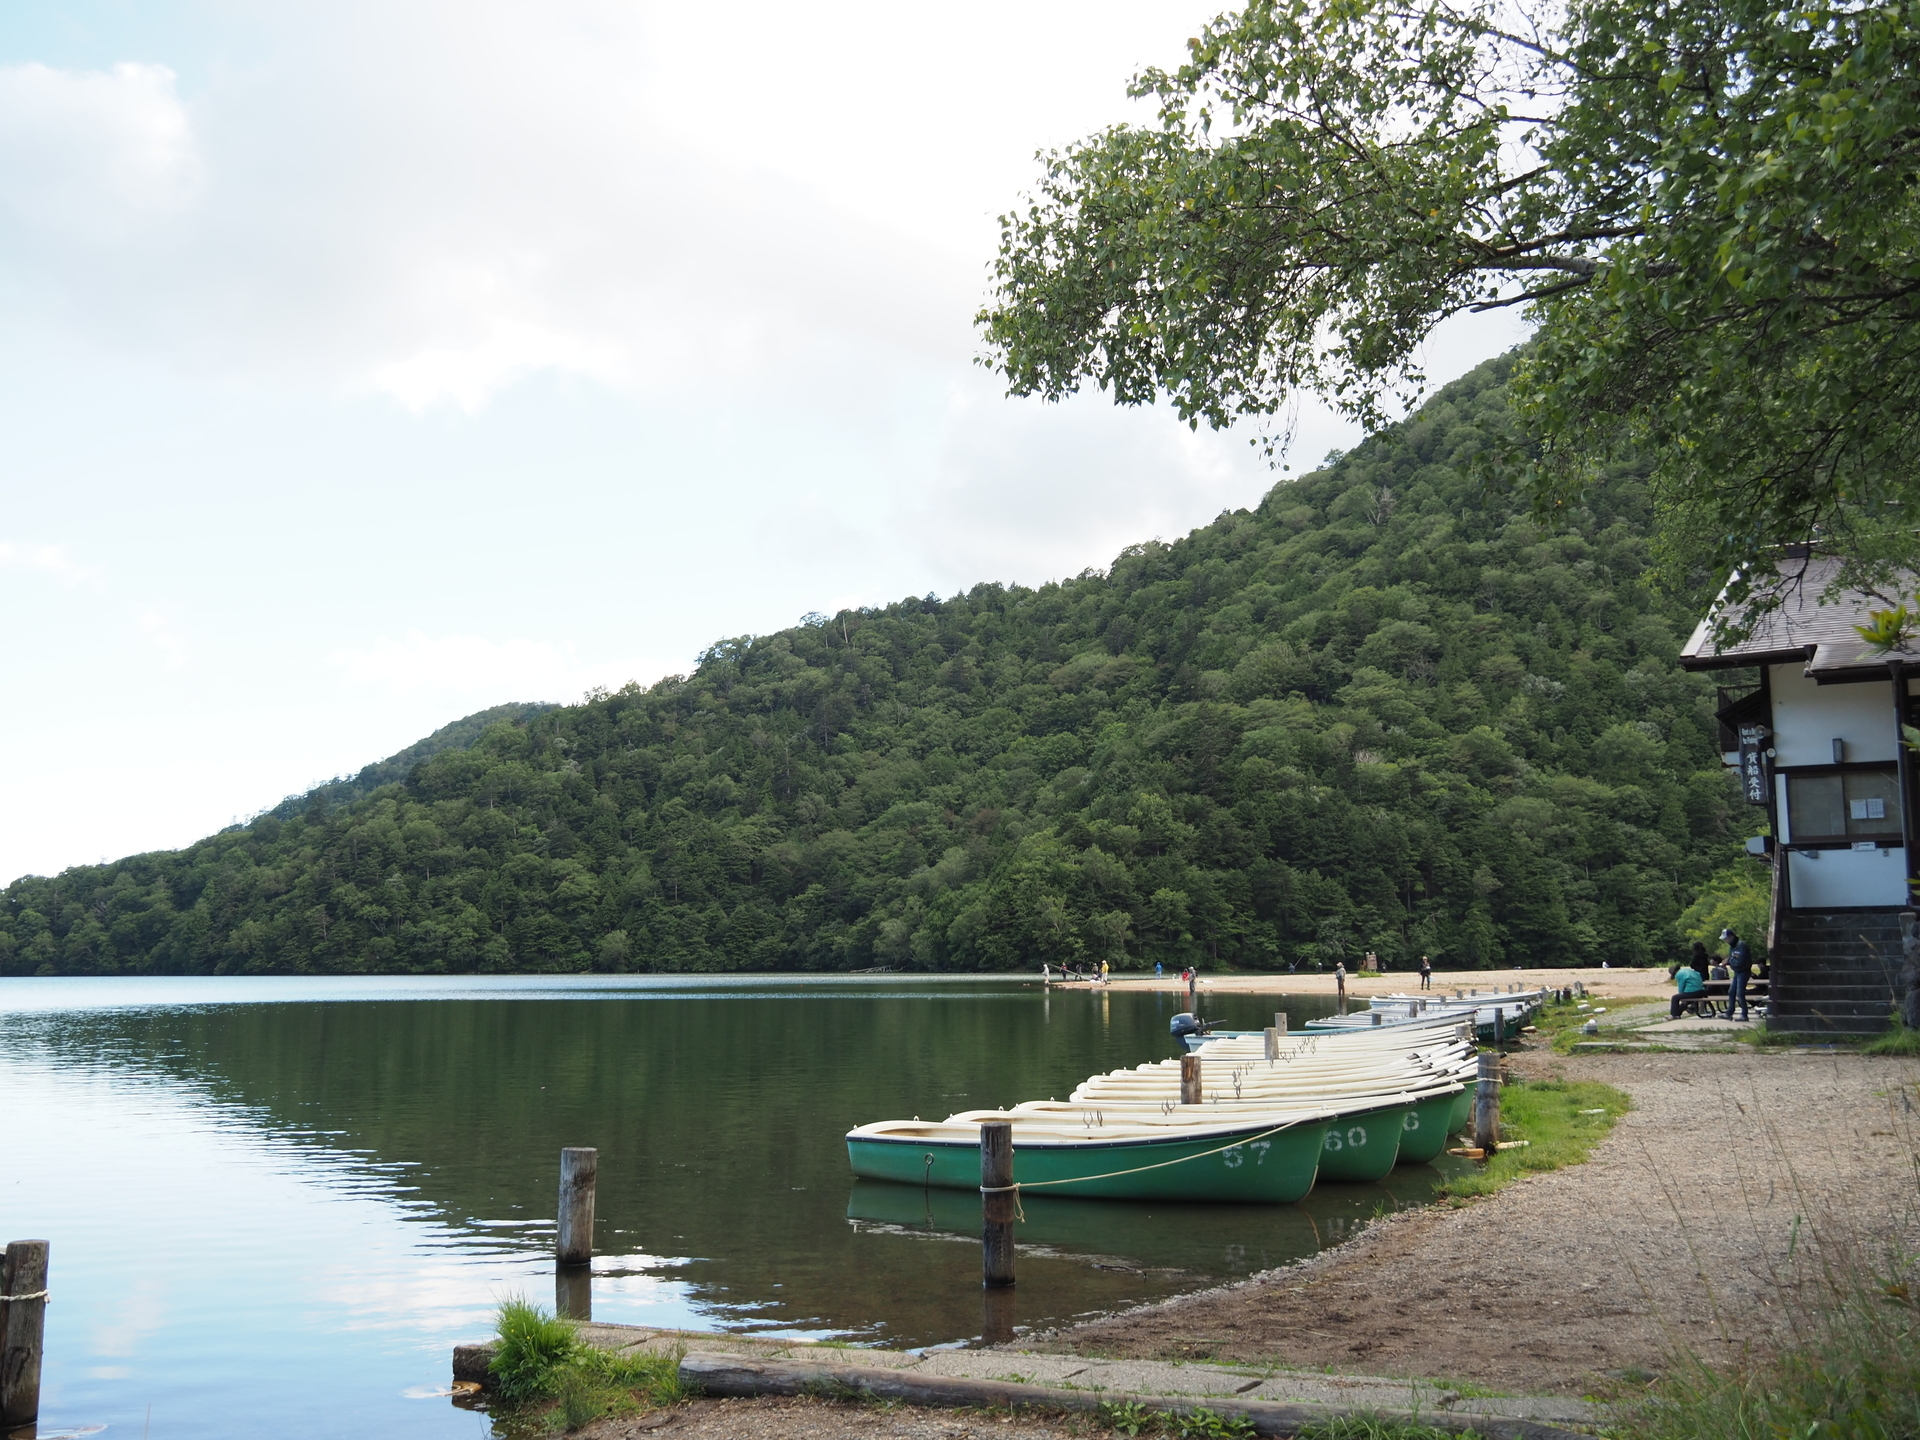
x,y
363,365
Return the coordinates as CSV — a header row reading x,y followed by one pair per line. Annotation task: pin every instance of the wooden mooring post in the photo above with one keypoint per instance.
x,y
1486,1104
1190,1080
23,1328
579,1169
999,1203
1273,1043
1280,1021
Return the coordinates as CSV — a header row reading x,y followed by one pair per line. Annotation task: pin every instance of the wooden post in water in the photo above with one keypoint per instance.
x,y
1190,1080
23,1320
1280,1021
999,1202
1499,1030
579,1168
1273,1043
1486,1104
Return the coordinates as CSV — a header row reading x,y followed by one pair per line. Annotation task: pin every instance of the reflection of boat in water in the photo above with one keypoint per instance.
x,y
1214,1239
1344,1107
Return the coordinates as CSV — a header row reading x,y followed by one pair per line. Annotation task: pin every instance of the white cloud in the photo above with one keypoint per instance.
x,y
90,154
54,560
164,635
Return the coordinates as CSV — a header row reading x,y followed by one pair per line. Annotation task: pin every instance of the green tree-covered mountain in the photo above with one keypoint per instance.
x,y
462,734
1384,710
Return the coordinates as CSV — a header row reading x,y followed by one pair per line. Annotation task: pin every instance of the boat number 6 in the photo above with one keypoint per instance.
x,y
1355,1139
1412,1121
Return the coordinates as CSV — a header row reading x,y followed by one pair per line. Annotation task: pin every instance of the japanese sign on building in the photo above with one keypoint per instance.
x,y
1753,763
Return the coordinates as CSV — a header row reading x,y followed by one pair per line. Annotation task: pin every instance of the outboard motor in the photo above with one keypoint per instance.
x,y
1186,1023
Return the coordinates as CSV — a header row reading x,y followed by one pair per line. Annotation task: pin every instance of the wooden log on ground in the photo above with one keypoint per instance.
x,y
999,1203
1486,1104
23,1328
579,1168
738,1376
1190,1091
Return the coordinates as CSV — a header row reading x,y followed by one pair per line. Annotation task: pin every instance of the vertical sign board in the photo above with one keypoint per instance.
x,y
1753,763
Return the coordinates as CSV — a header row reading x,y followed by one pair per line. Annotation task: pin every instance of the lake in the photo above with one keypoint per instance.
x,y
275,1204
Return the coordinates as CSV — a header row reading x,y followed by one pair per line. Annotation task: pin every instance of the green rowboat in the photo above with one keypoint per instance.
x,y
1363,1145
1256,1162
1423,1134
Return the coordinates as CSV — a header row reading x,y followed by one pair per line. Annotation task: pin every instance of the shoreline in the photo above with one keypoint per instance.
x,y
1599,984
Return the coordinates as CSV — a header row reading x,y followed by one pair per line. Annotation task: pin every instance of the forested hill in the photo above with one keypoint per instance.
x,y
1384,710
462,734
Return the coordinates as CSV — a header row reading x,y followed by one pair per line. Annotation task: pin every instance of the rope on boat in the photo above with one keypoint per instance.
x,y
46,1295
1157,1165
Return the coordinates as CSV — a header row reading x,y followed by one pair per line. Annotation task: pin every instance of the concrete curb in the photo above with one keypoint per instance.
x,y
733,1375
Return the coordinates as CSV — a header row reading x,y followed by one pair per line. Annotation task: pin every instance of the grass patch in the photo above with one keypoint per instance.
x,y
1561,1121
1856,1376
1364,1427
1130,1417
546,1377
1560,1025
1898,1040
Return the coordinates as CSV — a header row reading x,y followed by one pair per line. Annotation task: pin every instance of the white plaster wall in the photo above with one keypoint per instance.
x,y
1807,718
1819,879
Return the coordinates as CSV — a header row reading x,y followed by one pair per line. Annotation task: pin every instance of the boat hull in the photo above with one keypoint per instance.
x,y
1423,1134
1264,1168
1364,1145
1462,1109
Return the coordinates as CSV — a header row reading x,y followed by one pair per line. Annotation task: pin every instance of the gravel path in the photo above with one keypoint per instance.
x,y
1677,1230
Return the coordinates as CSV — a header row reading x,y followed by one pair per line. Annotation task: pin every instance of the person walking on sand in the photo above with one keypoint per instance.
x,y
1103,972
1426,973
1740,967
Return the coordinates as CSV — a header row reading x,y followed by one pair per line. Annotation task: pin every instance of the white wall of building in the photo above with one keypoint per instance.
x,y
1808,718
1837,879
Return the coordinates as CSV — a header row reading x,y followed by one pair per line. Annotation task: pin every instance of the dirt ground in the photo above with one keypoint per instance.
x,y
1606,984
809,1419
1677,1230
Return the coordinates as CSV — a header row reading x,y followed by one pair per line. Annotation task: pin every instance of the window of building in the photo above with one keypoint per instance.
x,y
1845,805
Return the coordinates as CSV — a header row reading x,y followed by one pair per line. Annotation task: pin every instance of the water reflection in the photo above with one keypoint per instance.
x,y
380,1171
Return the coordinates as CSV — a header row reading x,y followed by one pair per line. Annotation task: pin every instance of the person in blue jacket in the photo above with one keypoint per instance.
x,y
1740,963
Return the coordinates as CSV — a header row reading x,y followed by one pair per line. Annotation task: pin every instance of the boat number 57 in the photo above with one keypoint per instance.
x,y
1235,1156
1354,1139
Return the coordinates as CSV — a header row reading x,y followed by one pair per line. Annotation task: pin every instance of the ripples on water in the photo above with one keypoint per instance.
x,y
275,1204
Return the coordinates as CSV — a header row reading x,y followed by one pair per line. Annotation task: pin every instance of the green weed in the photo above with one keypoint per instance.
x,y
1365,1427
540,1358
1898,1040
1126,1417
1201,1423
1550,1116
533,1347
1130,1417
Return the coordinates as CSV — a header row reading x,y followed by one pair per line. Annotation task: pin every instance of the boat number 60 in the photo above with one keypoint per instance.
x,y
1355,1139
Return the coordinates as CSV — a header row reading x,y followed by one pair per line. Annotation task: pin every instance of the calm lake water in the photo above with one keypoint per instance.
x,y
276,1204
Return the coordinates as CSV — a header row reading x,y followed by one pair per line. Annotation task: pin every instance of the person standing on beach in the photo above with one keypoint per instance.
x,y
1740,964
1340,982
1426,973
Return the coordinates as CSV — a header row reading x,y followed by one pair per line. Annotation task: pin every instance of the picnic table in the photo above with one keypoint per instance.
x,y
1713,1001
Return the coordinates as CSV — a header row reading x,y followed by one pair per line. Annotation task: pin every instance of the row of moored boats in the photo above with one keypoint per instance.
x,y
1341,1101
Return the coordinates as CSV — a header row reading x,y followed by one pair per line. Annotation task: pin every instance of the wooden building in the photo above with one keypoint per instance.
x,y
1818,746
